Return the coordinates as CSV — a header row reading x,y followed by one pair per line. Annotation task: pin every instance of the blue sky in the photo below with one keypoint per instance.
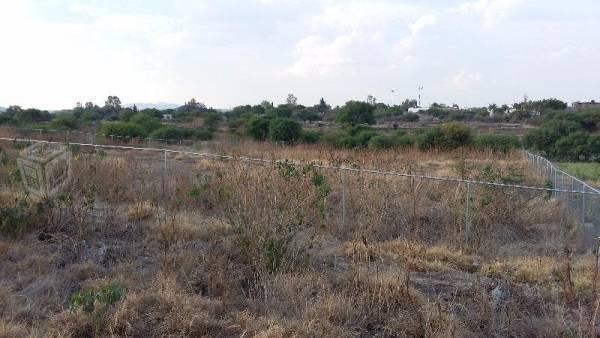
x,y
225,53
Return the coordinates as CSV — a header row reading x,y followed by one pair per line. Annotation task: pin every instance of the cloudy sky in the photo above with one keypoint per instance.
x,y
228,52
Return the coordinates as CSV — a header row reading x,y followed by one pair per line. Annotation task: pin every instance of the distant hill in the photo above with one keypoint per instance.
x,y
2,109
157,105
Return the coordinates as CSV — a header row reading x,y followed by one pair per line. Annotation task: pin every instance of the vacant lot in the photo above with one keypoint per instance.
x,y
228,248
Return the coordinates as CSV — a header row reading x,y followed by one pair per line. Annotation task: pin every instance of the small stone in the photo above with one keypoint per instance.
x,y
102,255
500,294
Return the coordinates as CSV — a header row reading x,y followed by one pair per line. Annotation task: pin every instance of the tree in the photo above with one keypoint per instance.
x,y
113,102
408,104
31,115
356,112
291,100
308,114
322,107
257,127
266,104
192,106
284,129
283,110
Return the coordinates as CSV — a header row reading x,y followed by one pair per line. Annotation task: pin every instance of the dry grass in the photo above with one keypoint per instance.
x,y
140,211
237,249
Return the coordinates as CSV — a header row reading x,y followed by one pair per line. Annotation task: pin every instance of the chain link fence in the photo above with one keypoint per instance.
x,y
382,204
583,207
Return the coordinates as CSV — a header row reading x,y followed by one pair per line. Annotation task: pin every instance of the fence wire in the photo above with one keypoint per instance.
x,y
379,202
585,208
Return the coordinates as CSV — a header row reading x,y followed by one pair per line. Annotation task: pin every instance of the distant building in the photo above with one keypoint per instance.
x,y
581,106
167,117
416,110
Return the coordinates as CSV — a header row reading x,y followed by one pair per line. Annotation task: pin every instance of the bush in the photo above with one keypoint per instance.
x,y
148,122
203,134
91,300
430,138
496,143
310,136
449,136
403,140
381,142
363,137
257,127
124,129
284,130
456,135
65,121
573,147
171,133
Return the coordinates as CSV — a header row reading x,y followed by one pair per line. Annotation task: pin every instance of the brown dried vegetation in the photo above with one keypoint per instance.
x,y
229,248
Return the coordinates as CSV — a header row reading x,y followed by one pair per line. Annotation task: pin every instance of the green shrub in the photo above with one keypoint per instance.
x,y
124,129
274,252
91,300
449,136
310,136
65,121
171,133
456,135
403,140
362,138
203,134
212,119
148,122
430,138
257,127
573,147
381,142
284,129
496,143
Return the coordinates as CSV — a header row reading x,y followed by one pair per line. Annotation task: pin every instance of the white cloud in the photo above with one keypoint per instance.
x,y
159,30
491,11
402,49
463,79
422,22
362,16
316,56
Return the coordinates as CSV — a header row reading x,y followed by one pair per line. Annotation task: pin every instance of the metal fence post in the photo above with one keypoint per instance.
x,y
555,181
164,174
468,214
583,206
343,198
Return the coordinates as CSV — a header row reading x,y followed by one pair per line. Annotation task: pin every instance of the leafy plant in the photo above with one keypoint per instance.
x,y
93,300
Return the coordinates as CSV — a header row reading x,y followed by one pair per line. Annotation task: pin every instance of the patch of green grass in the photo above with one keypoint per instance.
x,y
587,171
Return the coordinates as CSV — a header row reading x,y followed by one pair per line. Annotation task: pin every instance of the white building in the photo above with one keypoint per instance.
x,y
417,110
